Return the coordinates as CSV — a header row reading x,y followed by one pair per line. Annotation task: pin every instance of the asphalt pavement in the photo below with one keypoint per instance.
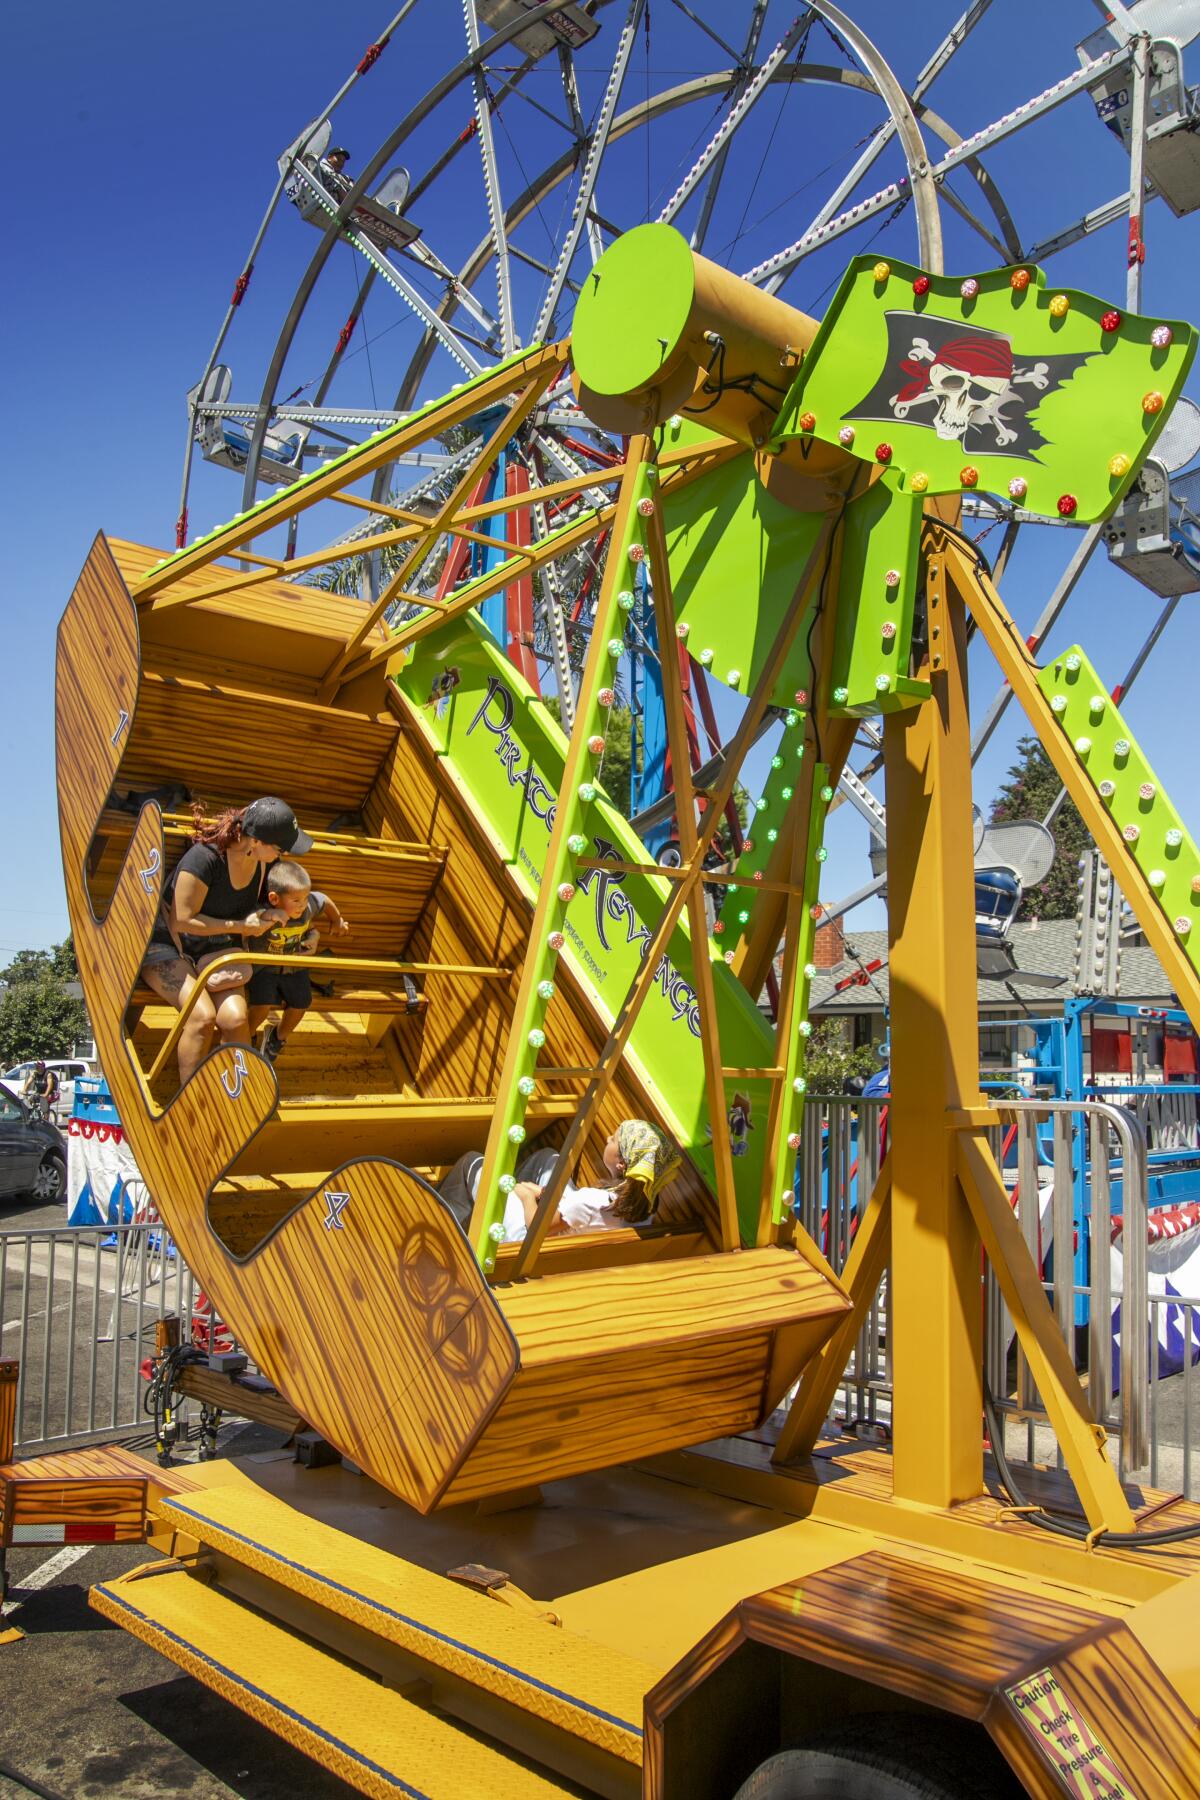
x,y
86,1710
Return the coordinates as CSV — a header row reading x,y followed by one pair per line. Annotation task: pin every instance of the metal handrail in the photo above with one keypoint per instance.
x,y
309,960
1135,1353
833,1175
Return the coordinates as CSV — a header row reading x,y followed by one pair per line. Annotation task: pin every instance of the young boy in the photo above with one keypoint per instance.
x,y
290,891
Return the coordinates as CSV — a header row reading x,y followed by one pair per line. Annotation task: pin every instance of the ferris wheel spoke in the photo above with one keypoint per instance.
x,y
918,185
553,615
410,295
972,219
737,114
706,28
570,85
953,40
591,169
713,184
491,184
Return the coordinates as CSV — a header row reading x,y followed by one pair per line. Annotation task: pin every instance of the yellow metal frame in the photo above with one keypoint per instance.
x,y
938,1203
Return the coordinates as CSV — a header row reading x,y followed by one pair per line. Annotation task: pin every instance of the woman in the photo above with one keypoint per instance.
x,y
640,1158
210,906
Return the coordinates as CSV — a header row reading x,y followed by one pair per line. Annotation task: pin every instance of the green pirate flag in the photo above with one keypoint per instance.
x,y
1049,398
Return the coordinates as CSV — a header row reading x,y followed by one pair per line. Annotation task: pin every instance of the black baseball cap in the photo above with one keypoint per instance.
x,y
337,151
272,821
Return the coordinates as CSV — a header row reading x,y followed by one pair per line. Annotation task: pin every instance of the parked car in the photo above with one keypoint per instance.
x,y
33,1156
66,1068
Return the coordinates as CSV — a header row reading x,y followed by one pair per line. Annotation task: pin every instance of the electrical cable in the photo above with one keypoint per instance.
x,y
1046,1521
162,1382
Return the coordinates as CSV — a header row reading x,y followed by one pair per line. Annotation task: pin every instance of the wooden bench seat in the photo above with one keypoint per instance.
x,y
422,1133
350,1000
243,1209
622,1362
383,888
218,738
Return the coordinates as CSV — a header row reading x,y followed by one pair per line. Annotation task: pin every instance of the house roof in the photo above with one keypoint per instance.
x,y
1045,947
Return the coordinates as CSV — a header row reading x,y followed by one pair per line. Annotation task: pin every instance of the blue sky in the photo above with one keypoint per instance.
x,y
142,142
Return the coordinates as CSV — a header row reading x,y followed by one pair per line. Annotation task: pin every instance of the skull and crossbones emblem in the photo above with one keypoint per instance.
x,y
968,381
963,383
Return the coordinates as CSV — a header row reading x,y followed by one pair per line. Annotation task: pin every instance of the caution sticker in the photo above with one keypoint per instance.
x,y
1065,1739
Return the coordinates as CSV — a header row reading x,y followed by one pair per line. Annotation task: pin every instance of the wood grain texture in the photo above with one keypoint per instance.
x,y
946,1640
641,1306
362,1302
303,1135
81,1502
222,740
935,1635
1111,1685
282,626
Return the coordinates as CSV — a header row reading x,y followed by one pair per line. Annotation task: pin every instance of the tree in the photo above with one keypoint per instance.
x,y
27,965
39,1018
1031,789
829,1058
615,765
62,960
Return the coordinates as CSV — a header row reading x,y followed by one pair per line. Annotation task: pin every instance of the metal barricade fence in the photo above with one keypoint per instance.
x,y
79,1304
1040,1141
78,1309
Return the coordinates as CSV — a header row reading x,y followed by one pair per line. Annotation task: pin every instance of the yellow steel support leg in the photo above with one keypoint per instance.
x,y
1081,1440
935,1298
860,1277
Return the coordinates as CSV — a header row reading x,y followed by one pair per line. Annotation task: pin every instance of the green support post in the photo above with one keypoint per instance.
x,y
796,1028
1156,841
770,811
568,844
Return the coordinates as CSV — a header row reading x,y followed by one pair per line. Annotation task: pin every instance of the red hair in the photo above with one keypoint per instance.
x,y
221,833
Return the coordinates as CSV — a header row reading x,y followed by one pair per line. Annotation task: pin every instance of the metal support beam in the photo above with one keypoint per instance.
x,y
581,211
419,554
556,890
719,795
861,1277
491,182
935,1311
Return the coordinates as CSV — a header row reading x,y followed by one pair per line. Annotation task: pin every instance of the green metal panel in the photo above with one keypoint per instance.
x,y
1025,391
779,782
736,554
791,1112
1155,837
506,755
877,590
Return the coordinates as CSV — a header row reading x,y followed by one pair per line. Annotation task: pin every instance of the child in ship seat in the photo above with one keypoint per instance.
x,y
290,891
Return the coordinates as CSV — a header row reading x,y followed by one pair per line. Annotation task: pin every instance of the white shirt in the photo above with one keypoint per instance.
x,y
580,1209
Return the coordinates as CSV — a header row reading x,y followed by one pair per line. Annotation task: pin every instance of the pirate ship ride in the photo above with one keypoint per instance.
x,y
562,980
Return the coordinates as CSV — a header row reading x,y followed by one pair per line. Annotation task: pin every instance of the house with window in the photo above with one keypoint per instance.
x,y
852,985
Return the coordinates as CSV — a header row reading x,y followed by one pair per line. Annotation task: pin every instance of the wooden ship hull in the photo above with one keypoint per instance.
x,y
383,1333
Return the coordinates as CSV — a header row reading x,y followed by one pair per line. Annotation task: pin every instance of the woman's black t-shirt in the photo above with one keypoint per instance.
x,y
223,900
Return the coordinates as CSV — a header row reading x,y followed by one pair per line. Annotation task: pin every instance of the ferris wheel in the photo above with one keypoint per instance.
x,y
470,228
